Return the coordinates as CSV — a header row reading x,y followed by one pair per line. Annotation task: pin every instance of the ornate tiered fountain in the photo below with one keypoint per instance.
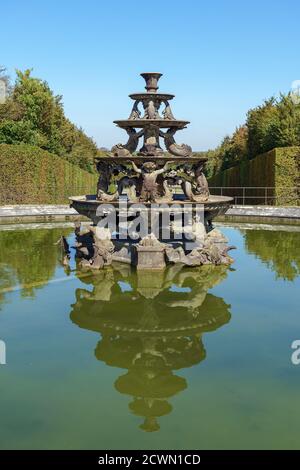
x,y
153,182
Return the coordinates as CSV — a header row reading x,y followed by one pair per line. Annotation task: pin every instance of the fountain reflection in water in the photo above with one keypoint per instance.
x,y
152,326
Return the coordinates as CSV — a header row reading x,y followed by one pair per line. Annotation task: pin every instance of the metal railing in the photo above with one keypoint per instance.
x,y
259,195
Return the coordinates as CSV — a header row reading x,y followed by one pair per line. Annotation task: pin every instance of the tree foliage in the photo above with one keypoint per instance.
x,y
33,115
275,123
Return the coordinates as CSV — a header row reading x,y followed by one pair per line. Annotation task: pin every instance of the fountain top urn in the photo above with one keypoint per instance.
x,y
151,79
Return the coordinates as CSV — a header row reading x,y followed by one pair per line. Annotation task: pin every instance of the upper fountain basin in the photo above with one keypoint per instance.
x,y
152,96
140,123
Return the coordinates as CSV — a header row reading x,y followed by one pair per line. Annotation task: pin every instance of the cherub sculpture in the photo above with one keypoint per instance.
x,y
149,174
198,190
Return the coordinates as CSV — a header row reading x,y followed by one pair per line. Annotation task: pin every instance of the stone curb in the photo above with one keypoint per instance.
x,y
292,212
63,212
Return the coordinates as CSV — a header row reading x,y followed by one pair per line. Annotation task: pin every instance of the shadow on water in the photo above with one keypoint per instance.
x,y
151,325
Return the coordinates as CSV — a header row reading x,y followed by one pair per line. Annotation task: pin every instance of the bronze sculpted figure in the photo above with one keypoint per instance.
x,y
105,172
201,184
151,142
149,174
167,195
167,113
120,150
133,139
181,150
135,112
150,110
94,247
130,185
198,190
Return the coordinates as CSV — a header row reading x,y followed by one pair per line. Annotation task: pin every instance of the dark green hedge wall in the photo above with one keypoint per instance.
x,y
29,175
278,168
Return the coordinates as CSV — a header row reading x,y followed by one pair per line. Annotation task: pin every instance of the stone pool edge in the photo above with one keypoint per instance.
x,y
258,214
24,213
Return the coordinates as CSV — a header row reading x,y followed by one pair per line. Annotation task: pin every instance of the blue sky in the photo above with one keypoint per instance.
x,y
219,58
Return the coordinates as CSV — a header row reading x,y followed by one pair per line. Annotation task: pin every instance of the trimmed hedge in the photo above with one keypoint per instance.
x,y
278,168
29,175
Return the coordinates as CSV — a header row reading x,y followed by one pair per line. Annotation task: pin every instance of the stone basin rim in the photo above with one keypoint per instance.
x,y
162,123
213,200
155,96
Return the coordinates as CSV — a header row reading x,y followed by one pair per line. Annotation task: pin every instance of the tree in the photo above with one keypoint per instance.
x,y
275,123
32,114
261,123
287,131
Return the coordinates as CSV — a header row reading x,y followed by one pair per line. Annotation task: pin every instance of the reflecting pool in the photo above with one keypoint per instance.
x,y
190,358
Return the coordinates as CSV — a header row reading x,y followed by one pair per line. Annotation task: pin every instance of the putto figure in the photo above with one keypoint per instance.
x,y
197,190
149,173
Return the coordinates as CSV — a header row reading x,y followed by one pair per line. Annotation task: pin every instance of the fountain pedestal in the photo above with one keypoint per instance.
x,y
151,257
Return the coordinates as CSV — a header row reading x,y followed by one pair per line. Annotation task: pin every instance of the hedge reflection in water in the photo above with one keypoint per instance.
x,y
279,250
28,257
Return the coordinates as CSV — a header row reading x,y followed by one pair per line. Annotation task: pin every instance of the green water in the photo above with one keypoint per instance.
x,y
192,358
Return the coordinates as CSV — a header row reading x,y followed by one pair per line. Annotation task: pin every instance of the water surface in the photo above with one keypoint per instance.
x,y
187,359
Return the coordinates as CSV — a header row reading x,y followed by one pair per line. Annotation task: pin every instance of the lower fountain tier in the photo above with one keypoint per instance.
x,y
160,123
88,206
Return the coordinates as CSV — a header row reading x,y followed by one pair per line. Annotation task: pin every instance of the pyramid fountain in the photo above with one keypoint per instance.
x,y
166,189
